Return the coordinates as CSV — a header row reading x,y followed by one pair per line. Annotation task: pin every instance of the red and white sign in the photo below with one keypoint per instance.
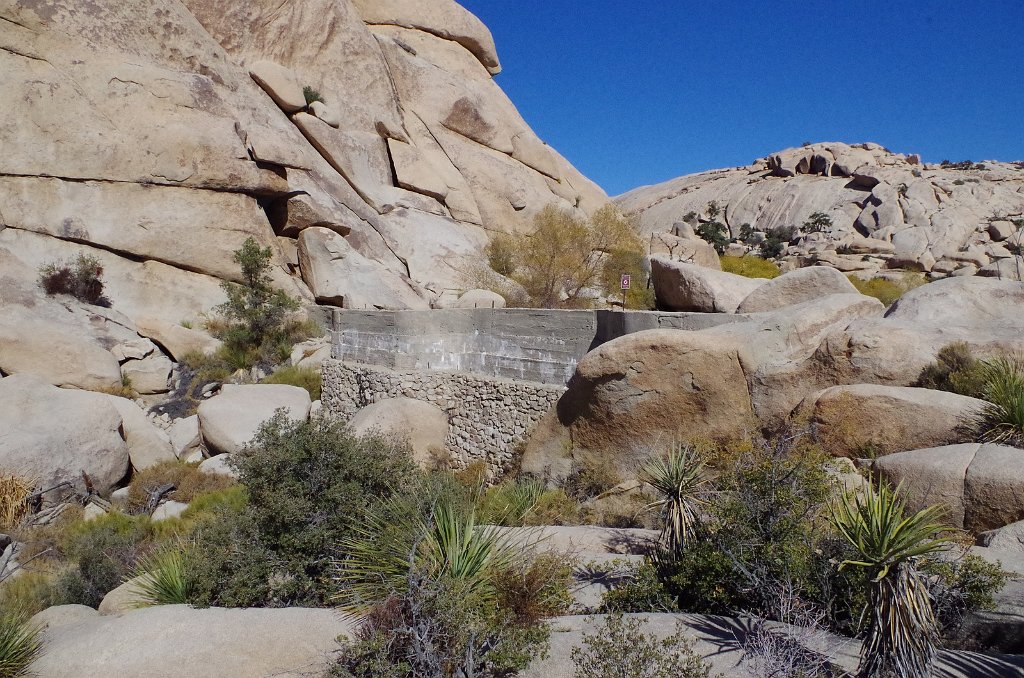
x,y
625,281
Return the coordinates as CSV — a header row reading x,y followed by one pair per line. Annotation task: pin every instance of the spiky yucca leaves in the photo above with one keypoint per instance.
x,y
163,578
680,479
394,540
19,645
903,632
510,503
1002,419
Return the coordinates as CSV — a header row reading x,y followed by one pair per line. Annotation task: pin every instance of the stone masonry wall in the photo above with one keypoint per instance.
x,y
488,416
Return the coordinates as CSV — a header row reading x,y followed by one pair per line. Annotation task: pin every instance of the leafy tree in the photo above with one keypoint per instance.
x,y
714,232
254,320
565,255
818,222
775,241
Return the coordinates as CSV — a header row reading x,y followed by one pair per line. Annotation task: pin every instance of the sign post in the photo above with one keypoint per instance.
x,y
625,282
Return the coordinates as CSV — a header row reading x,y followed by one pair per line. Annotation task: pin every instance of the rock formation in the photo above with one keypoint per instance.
x,y
158,136
886,210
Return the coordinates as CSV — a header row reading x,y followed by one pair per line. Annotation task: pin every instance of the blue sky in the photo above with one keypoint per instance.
x,y
635,93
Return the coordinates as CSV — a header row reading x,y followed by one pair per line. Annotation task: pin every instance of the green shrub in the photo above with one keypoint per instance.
x,y
303,377
81,278
751,267
509,503
501,254
639,590
309,486
28,593
1002,418
962,585
554,507
776,240
312,95
591,477
885,290
955,370
714,232
680,480
619,647
535,589
20,645
165,577
255,323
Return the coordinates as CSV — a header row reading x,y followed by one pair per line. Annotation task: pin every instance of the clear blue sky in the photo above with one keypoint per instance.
x,y
636,93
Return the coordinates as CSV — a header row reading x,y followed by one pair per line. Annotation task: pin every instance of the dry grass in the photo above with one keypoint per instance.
x,y
14,491
188,480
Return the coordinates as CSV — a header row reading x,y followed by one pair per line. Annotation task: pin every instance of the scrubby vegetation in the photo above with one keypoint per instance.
x,y
750,266
776,240
567,262
887,290
818,222
619,647
312,95
303,377
19,644
81,278
713,231
14,491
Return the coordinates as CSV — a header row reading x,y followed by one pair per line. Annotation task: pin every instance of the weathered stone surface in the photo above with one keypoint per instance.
x,y
280,83
177,339
994,488
147,445
54,435
804,284
479,299
415,172
864,420
443,18
931,476
185,436
60,615
325,113
312,353
168,510
148,375
339,276
1009,538
423,425
689,250
681,286
229,420
176,641
219,465
635,393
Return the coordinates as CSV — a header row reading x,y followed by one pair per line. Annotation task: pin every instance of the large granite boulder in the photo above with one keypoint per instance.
x,y
176,641
423,425
147,445
681,286
863,420
795,287
982,484
230,420
53,435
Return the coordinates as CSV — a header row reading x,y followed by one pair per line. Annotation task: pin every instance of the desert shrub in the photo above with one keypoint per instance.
x,y
14,492
188,480
165,577
619,647
28,593
309,485
746,233
535,589
639,590
501,254
961,585
509,503
554,507
713,232
432,628
750,266
680,479
101,554
255,324
886,290
564,257
776,240
20,644
591,477
817,223
620,510
955,370
1002,418
303,377
312,95
123,390
81,278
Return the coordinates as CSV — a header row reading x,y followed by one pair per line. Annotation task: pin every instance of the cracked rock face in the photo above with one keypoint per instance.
x,y
159,135
886,209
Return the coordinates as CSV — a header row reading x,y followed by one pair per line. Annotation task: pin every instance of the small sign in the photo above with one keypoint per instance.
x,y
625,281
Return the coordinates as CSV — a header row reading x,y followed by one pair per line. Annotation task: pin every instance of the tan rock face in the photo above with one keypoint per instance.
x,y
866,420
423,425
805,284
280,83
688,250
230,420
681,286
639,391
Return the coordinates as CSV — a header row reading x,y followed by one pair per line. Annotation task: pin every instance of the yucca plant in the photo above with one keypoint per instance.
x,y
680,479
393,541
903,632
163,578
20,644
510,503
1002,418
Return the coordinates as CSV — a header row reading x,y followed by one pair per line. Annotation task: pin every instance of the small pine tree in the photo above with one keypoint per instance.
x,y
817,222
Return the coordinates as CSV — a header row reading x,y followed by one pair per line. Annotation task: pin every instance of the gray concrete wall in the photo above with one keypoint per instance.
x,y
535,345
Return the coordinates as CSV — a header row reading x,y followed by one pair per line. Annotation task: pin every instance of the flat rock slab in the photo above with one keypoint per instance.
x,y
231,419
176,641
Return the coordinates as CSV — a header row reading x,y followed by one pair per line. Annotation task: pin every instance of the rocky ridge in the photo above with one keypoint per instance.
x,y
887,210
